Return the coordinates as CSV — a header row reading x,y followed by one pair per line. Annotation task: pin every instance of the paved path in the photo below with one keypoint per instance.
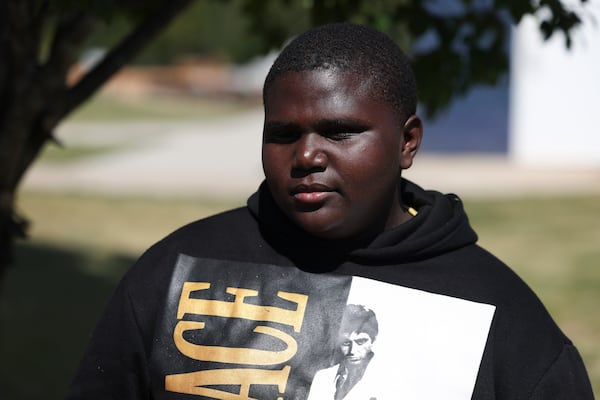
x,y
221,157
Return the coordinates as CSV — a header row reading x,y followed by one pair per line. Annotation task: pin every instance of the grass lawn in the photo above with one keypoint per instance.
x,y
81,245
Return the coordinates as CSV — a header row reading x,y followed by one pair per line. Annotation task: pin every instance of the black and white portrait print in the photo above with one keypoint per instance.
x,y
393,342
354,350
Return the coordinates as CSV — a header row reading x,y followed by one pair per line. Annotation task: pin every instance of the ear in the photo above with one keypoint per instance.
x,y
412,133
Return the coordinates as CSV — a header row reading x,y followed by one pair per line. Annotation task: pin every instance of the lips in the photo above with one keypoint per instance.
x,y
313,193
354,360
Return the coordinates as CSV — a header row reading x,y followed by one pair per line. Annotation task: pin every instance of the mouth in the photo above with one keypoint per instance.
x,y
354,359
313,193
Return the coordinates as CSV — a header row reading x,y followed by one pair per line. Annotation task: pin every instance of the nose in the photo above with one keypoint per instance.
x,y
349,349
309,153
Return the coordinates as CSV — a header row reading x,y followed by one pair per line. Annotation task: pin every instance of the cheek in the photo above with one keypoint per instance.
x,y
273,162
368,166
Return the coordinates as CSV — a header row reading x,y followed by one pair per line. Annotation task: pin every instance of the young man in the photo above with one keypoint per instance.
x,y
247,304
349,379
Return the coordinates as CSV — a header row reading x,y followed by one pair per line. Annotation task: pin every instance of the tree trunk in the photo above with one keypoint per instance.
x,y
34,96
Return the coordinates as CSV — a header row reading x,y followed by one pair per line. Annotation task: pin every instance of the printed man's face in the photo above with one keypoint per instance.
x,y
356,347
332,154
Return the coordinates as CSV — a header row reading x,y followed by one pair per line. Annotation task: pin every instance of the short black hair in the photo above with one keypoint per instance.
x,y
355,48
358,318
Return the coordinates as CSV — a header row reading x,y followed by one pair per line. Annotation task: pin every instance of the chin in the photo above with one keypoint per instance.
x,y
329,233
324,225
322,231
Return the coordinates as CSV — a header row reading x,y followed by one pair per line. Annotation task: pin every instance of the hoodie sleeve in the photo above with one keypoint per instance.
x,y
566,379
115,363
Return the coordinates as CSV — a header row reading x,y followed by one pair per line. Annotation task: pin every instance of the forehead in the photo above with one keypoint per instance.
x,y
322,91
334,79
354,335
351,77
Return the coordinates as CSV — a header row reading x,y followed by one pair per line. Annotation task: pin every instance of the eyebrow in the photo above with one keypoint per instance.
x,y
321,125
277,125
342,124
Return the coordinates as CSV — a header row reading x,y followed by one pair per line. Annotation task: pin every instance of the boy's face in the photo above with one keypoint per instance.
x,y
356,347
332,154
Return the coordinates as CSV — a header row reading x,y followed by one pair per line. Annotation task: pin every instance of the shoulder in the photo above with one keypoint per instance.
x,y
323,384
476,274
326,375
211,237
482,277
227,235
226,223
524,342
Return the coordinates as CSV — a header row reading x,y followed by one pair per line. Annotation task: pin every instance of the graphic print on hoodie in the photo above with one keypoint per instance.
x,y
235,330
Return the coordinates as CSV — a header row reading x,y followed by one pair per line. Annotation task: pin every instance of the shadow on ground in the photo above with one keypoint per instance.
x,y
51,300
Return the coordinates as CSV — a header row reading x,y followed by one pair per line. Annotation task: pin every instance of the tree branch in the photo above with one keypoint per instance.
x,y
72,30
117,57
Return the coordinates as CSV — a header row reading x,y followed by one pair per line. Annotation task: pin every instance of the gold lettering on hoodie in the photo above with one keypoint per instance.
x,y
196,382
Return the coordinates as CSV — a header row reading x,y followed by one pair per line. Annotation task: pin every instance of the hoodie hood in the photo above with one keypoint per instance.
x,y
440,226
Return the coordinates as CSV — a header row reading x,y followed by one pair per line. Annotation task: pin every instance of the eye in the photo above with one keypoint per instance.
x,y
338,136
361,341
280,137
339,130
280,133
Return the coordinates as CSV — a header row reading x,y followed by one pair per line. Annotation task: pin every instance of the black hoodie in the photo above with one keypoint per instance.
x,y
246,305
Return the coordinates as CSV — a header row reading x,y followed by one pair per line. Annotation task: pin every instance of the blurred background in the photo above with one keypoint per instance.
x,y
156,121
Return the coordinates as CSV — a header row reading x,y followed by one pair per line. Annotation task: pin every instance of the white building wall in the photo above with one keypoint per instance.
x,y
555,94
